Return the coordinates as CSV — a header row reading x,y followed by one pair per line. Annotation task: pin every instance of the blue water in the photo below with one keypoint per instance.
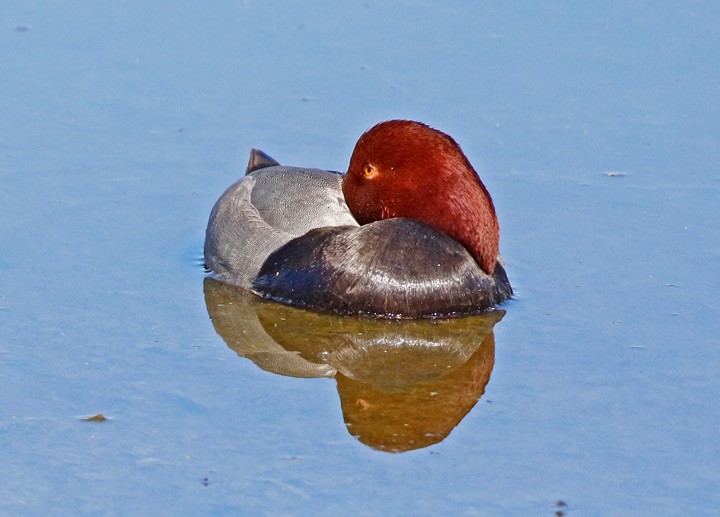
x,y
594,126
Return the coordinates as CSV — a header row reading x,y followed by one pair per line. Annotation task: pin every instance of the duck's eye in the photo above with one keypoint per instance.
x,y
370,171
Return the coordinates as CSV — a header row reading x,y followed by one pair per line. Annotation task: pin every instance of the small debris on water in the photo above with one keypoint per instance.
x,y
96,418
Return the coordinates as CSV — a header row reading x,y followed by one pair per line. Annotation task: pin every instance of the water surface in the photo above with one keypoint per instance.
x,y
595,129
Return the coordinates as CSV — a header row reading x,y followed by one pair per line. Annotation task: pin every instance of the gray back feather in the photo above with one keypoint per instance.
x,y
263,211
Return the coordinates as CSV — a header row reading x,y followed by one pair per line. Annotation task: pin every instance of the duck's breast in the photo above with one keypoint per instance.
x,y
398,268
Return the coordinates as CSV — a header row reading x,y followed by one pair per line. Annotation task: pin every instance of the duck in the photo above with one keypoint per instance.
x,y
409,231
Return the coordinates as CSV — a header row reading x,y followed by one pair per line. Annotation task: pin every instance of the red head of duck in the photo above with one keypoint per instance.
x,y
402,168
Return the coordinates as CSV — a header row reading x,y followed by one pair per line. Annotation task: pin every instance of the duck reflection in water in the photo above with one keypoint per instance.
x,y
403,385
